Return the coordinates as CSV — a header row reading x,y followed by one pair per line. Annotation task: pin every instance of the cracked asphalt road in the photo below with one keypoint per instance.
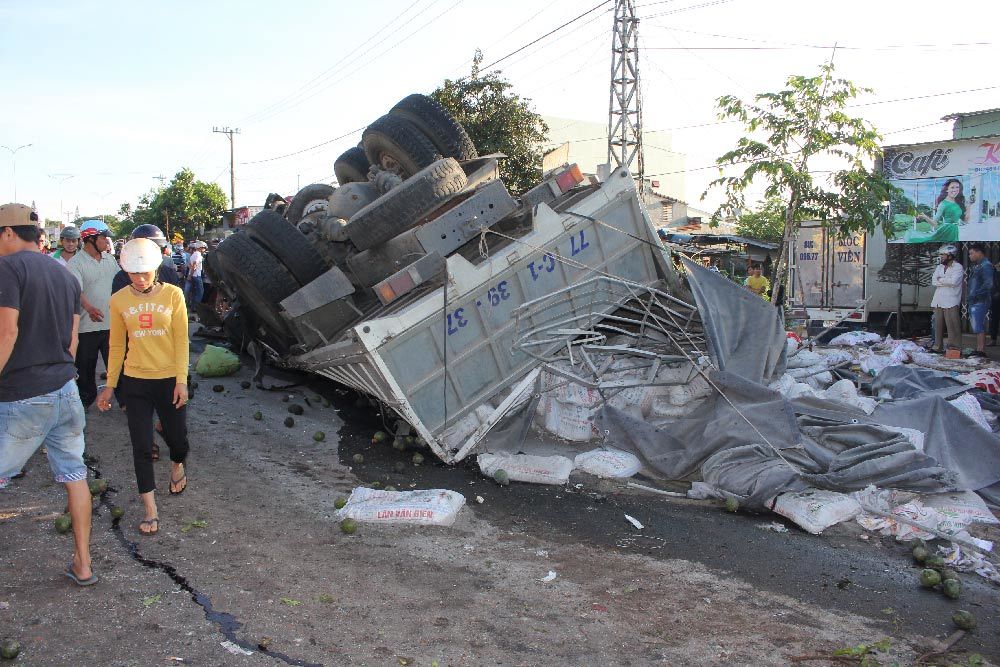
x,y
254,535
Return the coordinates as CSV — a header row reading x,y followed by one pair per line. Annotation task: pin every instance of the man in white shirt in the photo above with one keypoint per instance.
x,y
194,288
95,268
947,301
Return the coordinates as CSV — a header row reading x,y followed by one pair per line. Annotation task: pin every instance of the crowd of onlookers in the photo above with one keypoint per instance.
x,y
59,313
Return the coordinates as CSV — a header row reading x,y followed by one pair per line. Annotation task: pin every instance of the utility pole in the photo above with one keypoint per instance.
x,y
232,175
625,104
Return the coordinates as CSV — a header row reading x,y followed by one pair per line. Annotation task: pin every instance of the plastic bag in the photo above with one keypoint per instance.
x,y
608,463
815,510
527,468
216,362
429,507
971,408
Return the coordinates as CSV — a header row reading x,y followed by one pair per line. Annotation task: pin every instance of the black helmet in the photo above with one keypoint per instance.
x,y
151,232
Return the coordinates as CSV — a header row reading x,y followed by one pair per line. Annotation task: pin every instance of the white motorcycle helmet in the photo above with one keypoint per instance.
x,y
948,250
141,256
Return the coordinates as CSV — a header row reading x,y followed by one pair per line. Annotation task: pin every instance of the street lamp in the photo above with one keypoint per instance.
x,y
62,178
13,162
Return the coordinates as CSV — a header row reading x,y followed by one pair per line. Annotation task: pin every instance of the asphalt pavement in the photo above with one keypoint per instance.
x,y
844,569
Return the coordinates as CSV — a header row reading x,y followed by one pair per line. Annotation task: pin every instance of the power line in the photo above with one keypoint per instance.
x,y
354,70
817,46
306,150
807,46
551,32
351,54
685,9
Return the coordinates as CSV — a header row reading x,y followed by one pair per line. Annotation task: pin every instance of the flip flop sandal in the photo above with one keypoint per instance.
x,y
150,523
175,482
77,580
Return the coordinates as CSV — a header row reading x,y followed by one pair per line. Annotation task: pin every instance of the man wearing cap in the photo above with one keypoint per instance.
x,y
39,402
947,280
69,244
95,268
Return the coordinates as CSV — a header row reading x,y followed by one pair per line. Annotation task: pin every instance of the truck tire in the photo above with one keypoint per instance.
x,y
397,145
352,166
306,200
446,133
402,207
288,244
261,282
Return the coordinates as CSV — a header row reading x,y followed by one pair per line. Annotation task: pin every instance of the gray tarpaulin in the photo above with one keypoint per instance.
x,y
679,449
909,381
819,443
746,334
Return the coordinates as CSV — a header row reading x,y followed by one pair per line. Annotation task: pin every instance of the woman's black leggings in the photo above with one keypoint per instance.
x,y
141,398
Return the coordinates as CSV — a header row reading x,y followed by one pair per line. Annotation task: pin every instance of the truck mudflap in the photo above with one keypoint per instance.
x,y
441,356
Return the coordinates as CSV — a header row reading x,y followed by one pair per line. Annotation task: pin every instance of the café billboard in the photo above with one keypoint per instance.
x,y
950,191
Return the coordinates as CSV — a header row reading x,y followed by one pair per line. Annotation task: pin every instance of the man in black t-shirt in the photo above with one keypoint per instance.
x,y
39,320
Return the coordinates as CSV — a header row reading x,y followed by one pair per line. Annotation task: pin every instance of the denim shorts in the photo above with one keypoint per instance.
x,y
977,316
55,420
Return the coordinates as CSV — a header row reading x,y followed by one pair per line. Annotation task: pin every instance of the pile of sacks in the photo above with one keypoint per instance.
x,y
567,409
604,462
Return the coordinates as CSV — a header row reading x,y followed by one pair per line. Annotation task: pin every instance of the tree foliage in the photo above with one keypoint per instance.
x,y
186,206
785,132
498,121
765,223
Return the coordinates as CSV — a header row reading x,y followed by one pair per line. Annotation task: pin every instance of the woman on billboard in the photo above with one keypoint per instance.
x,y
949,214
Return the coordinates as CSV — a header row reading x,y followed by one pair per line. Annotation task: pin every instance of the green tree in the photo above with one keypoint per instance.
x,y
498,121
788,130
766,223
186,206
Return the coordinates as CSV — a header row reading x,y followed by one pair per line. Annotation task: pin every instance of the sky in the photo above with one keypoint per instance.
x,y
111,96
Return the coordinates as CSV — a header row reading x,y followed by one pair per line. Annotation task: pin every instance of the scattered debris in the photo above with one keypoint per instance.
x,y
9,649
289,422
436,507
551,576
964,620
634,522
527,468
774,527
191,525
234,649
296,409
258,416
218,388
290,602
815,510
63,523
216,362
151,600
245,384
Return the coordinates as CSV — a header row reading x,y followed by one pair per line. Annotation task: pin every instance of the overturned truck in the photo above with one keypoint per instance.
x,y
424,283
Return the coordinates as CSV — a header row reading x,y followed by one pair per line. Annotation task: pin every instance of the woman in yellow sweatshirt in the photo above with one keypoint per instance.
x,y
152,318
